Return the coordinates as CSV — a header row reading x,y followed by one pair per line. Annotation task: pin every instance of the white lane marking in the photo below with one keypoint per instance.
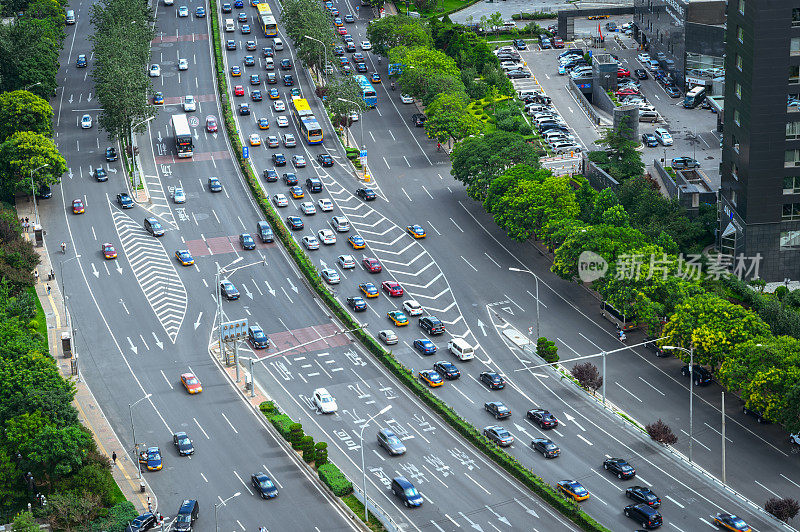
x,y
476,483
584,439
452,520
435,476
387,164
766,488
491,259
703,520
790,480
418,432
676,526
229,422
406,193
271,476
469,263
454,223
201,428
653,387
462,393
243,482
697,441
204,477
676,503
166,379
606,479
718,432
629,392
426,191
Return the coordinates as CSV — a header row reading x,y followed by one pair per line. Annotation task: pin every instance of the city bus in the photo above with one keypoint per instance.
x,y
307,123
268,23
370,96
183,136
694,97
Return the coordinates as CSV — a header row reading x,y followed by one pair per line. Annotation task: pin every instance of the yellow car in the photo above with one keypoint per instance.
x,y
573,490
255,139
184,257
236,71
416,231
368,289
431,378
263,123
398,317
357,242
731,522
297,192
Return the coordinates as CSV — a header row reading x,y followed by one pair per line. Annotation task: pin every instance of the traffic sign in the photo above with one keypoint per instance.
x,y
245,152
363,153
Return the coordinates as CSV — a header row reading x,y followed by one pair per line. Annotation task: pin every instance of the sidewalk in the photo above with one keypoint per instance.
x,y
89,412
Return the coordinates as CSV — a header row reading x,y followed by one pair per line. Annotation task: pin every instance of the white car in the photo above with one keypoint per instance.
x,y
644,58
324,401
308,208
280,200
354,116
155,71
310,242
388,337
282,121
330,275
289,141
183,64
412,308
366,45
178,196
189,104
325,205
346,262
278,105
663,136
86,122
327,236
405,98
183,11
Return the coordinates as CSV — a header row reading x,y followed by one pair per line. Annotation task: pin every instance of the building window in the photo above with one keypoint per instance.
x,y
735,171
736,117
739,62
734,198
790,240
792,158
791,212
738,90
794,73
796,16
739,34
704,66
735,143
791,185
792,130
741,7
794,46
793,102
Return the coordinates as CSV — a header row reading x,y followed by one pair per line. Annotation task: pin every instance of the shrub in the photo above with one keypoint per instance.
x,y
524,128
783,509
335,480
321,453
587,376
307,446
547,350
661,432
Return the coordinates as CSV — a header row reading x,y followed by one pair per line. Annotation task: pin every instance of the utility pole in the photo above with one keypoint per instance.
x,y
723,438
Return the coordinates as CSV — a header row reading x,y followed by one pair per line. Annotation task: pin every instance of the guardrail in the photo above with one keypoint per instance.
x,y
386,520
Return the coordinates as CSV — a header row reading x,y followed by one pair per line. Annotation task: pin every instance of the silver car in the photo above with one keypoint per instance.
x,y
340,224
388,337
389,441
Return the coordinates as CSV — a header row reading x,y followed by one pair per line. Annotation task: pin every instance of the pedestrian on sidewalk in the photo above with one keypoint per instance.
x,y
52,274
48,290
36,274
114,457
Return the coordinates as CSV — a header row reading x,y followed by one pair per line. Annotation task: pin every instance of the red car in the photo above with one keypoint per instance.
x,y
393,288
623,73
372,265
342,31
211,124
558,43
627,92
78,208
191,383
108,251
238,90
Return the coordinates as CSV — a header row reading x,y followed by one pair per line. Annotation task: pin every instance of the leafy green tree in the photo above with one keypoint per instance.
x,y
603,201
23,428
448,118
24,111
616,216
24,522
55,453
10,480
426,72
308,18
398,30
22,155
609,242
494,22
69,511
50,10
29,48
477,161
624,160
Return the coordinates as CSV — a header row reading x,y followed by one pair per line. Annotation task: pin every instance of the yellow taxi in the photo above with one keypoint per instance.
x,y
572,489
255,139
398,317
368,289
431,377
263,123
357,242
416,231
297,192
236,71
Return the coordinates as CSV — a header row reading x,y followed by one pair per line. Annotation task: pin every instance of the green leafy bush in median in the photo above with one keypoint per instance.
x,y
335,480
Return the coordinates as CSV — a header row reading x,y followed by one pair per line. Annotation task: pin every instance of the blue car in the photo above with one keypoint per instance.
x,y
278,159
226,8
264,486
238,3
81,61
424,346
257,337
151,458
200,12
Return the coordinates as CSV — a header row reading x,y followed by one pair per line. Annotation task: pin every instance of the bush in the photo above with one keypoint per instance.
x,y
783,509
296,435
587,376
547,350
307,446
335,480
321,453
661,432
524,128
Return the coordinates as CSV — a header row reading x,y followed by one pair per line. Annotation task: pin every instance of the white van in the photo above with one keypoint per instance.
x,y
230,25
460,348
70,17
277,43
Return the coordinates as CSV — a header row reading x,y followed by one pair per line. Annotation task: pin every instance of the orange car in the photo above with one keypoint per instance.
x,y
191,383
108,251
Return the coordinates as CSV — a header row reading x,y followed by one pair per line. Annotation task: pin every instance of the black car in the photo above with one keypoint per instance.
x,y
44,192
100,174
644,495
447,369
325,160
543,418
256,96
367,194
111,154
497,409
244,109
418,119
546,447
290,179
270,175
432,325
247,241
620,467
499,435
647,516
278,159
492,380
295,223
518,74
286,64
142,523
640,73
288,80
214,185
758,414
314,184
338,50
673,91
700,374
649,140
183,444
361,67
652,345
264,485
124,200
357,303
229,291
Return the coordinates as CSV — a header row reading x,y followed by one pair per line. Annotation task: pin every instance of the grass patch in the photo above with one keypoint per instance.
x,y
358,509
443,7
41,319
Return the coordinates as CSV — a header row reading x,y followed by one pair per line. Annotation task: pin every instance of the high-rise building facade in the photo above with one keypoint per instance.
x,y
760,169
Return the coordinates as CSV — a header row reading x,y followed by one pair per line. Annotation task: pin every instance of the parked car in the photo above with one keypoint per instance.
x,y
679,163
700,375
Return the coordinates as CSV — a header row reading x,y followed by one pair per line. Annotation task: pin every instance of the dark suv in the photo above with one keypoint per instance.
x,y
620,467
432,325
652,345
418,119
642,513
700,374
187,515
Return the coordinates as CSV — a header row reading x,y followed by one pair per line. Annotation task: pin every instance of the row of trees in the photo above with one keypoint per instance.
x,y
123,30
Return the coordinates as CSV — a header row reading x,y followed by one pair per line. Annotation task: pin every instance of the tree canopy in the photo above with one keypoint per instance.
x,y
24,111
448,118
23,154
308,18
398,30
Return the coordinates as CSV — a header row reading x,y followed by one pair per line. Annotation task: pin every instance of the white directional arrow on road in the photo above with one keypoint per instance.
x,y
323,264
271,291
572,420
119,268
521,429
482,327
292,285
246,291
533,513
70,173
159,137
95,272
89,98
197,323
112,170
472,523
70,98
508,309
133,347
501,518
159,343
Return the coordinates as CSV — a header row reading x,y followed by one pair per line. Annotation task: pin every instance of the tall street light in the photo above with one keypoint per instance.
x,y
363,470
222,503
358,106
691,390
133,431
325,51
133,152
536,277
33,191
66,309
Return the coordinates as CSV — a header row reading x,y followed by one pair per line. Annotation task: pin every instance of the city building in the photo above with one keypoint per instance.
x,y
760,169
687,38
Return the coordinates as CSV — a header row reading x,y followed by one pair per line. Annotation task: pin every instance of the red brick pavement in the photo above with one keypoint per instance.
x,y
183,38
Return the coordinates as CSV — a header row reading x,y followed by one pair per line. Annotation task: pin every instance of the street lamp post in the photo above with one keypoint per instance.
x,y
66,309
222,503
363,470
33,191
133,432
32,85
536,277
691,391
363,146
133,152
325,52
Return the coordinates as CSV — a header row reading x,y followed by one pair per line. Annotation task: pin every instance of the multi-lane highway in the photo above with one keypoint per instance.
x,y
142,320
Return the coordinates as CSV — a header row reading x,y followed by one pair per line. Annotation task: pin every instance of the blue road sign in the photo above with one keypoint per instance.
x,y
362,153
245,152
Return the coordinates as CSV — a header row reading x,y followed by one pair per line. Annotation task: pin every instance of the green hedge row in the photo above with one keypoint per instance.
x,y
539,15
335,479
568,508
